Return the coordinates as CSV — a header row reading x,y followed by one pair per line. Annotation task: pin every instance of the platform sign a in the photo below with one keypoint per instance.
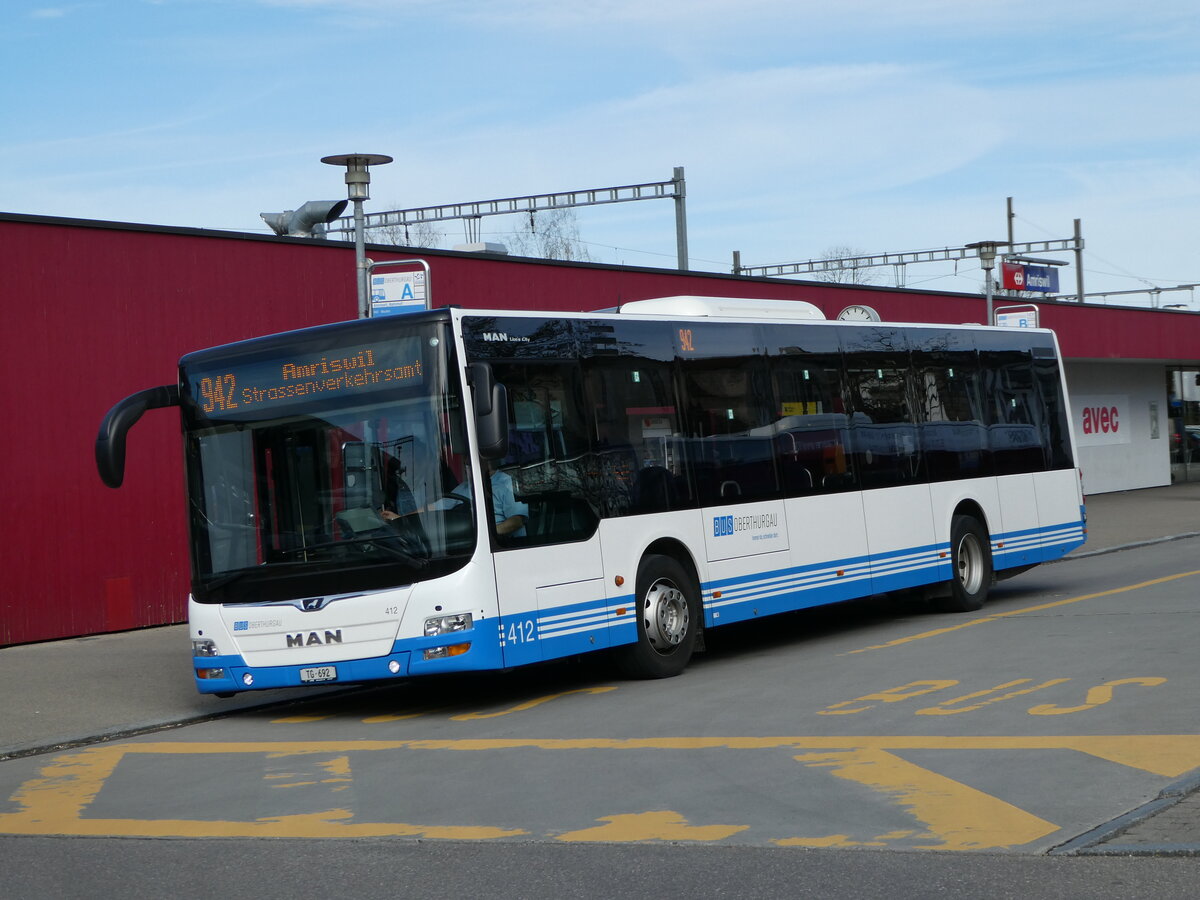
x,y
397,292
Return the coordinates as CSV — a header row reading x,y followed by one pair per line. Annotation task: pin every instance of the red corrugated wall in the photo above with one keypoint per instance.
x,y
91,315
92,312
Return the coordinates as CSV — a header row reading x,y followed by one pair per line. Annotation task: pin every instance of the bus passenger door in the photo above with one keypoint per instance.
x,y
549,574
551,600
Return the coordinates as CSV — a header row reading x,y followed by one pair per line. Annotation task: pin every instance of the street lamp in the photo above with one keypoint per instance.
x,y
986,251
358,183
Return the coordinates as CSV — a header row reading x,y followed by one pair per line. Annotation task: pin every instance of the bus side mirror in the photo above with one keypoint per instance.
x,y
491,412
110,442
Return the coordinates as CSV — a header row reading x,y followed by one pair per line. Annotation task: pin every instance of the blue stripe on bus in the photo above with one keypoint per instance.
x,y
801,587
567,630
1035,545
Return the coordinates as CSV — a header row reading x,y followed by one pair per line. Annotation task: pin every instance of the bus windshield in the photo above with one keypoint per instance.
x,y
330,467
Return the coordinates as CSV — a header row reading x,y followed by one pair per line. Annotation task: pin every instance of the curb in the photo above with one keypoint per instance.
x,y
1089,843
20,751
1147,543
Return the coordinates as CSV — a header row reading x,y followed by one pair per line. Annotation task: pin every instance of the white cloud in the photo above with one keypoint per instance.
x,y
801,125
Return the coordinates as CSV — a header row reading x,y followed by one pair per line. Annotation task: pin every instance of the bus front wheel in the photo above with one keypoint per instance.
x,y
971,561
668,619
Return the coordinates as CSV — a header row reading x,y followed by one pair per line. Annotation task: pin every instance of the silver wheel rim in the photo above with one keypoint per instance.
x,y
665,616
969,562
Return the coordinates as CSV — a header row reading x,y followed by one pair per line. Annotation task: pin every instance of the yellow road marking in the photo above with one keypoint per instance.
x,y
659,825
1096,696
415,713
1160,754
465,717
955,816
947,708
56,802
891,695
844,840
837,841
958,817
983,620
530,704
391,717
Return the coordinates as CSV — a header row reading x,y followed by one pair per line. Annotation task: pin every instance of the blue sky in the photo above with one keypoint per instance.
x,y
802,125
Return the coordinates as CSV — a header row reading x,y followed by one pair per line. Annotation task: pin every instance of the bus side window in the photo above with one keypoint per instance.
x,y
1015,428
550,460
731,429
810,426
639,453
884,433
954,438
1057,439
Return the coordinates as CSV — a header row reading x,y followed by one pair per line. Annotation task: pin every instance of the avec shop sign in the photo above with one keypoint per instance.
x,y
1101,419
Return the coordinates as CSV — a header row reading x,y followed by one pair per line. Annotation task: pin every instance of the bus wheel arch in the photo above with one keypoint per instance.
x,y
669,613
974,510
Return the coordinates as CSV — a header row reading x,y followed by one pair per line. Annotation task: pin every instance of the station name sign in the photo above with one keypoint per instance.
x,y
1022,277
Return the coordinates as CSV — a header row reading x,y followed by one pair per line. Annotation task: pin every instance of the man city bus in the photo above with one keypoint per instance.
x,y
665,468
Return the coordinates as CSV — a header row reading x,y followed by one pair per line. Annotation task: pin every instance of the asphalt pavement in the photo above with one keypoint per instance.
x,y
62,694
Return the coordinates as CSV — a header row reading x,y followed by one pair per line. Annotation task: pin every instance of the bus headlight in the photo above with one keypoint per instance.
x,y
204,648
448,624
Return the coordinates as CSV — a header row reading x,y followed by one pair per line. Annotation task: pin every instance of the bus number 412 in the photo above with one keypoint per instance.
x,y
522,632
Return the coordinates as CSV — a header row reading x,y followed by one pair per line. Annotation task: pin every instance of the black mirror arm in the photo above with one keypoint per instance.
x,y
110,442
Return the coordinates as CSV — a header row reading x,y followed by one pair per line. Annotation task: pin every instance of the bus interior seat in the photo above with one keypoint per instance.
x,y
558,516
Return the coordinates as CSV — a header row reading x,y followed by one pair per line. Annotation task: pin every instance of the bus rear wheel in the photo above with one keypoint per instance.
x,y
971,562
668,619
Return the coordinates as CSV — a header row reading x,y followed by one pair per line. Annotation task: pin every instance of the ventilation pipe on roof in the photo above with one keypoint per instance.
x,y
307,221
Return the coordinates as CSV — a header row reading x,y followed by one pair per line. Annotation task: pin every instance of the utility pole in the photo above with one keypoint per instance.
x,y
1078,261
1011,215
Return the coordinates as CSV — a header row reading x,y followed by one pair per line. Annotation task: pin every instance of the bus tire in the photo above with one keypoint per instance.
x,y
971,564
668,619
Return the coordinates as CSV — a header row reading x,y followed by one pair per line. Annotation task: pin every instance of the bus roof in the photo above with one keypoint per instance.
x,y
692,307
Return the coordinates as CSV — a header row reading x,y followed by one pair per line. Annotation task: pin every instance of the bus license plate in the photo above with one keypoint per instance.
x,y
318,673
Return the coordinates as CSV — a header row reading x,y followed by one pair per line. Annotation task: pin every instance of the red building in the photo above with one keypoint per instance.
x,y
94,311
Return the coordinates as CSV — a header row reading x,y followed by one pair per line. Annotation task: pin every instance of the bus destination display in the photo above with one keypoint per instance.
x,y
246,388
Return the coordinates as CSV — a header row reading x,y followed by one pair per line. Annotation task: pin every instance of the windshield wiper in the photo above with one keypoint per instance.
x,y
216,582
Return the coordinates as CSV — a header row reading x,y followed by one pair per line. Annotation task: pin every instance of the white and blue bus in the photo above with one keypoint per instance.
x,y
460,490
